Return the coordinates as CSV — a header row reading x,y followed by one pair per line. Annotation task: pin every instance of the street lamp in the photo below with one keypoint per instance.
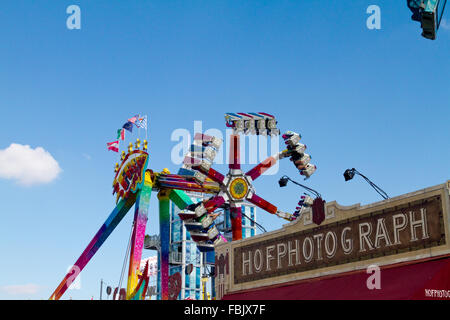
x,y
350,173
317,205
285,179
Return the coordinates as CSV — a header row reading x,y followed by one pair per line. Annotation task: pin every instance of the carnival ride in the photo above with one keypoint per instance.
x,y
134,183
429,13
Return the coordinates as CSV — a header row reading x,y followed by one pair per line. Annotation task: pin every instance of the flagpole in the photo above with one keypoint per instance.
x,y
120,136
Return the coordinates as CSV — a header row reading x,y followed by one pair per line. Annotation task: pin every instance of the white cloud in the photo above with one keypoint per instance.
x,y
30,288
445,24
86,156
28,166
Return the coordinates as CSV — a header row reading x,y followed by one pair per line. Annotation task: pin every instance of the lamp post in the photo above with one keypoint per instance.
x,y
350,173
101,288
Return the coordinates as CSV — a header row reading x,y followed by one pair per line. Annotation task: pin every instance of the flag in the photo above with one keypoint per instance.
x,y
114,146
142,122
133,119
121,134
128,126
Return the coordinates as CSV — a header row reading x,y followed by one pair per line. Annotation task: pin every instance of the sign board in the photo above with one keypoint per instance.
x,y
130,175
404,228
379,233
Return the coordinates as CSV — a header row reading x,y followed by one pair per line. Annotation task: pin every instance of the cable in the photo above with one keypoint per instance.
x,y
256,223
380,191
442,14
303,186
227,207
125,259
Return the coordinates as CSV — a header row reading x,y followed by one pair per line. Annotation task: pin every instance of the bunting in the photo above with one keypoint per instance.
x,y
113,146
138,120
142,122
133,119
121,134
128,126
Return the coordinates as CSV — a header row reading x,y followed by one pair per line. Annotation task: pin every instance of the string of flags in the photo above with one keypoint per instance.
x,y
114,146
137,120
121,134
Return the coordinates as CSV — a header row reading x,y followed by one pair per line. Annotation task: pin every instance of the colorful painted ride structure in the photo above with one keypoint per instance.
x,y
134,183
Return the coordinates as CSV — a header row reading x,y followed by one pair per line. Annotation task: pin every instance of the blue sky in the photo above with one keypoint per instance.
x,y
377,100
